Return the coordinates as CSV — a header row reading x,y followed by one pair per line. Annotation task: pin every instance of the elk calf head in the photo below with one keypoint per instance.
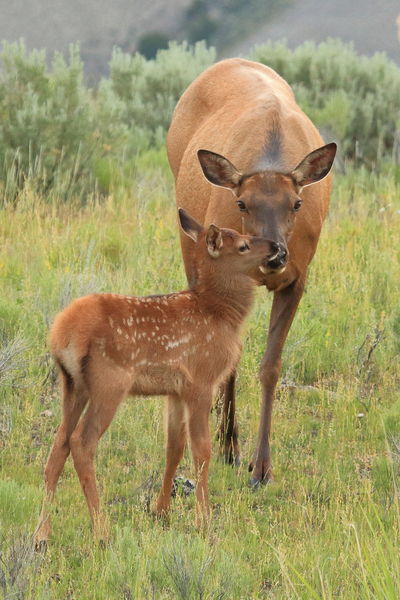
x,y
269,200
227,250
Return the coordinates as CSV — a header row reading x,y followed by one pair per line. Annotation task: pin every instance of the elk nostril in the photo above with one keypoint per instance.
x,y
275,247
279,257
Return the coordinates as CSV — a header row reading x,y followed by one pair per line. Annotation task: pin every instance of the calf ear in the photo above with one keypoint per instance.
x,y
315,166
219,170
189,225
214,240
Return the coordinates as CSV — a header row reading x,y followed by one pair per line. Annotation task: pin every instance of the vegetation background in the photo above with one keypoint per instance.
x,y
87,205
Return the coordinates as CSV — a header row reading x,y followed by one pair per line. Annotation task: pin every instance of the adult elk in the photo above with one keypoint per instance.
x,y
246,112
181,345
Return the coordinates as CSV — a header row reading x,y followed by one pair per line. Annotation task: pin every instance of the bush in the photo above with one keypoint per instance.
x,y
46,121
66,140
355,98
141,94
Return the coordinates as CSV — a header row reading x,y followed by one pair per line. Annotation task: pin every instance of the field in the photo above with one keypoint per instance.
x,y
329,524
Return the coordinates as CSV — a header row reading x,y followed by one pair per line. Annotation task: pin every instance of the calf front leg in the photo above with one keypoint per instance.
x,y
198,409
176,440
283,310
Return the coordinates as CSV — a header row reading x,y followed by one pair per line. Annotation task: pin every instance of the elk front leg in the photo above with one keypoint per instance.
x,y
284,308
228,430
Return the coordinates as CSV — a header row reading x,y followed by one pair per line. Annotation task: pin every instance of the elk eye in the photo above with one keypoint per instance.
x,y
241,205
297,205
243,248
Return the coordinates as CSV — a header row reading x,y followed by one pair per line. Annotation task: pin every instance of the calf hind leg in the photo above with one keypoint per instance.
x,y
83,442
73,404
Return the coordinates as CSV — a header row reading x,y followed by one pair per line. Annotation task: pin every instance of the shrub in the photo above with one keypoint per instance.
x,y
46,120
140,94
65,139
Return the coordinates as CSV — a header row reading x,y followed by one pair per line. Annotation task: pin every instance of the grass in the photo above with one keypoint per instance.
x,y
329,525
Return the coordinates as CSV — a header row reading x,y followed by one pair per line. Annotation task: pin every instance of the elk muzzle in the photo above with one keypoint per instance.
x,y
277,261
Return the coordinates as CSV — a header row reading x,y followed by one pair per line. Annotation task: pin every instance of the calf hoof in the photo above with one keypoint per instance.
x,y
41,547
103,543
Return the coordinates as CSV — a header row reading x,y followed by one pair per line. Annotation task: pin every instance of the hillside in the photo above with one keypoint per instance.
x,y
99,25
372,26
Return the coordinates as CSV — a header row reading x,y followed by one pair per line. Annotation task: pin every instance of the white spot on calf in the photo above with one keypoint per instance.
x,y
172,343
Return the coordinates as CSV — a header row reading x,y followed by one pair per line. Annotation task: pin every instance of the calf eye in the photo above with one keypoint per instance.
x,y
297,205
241,205
243,248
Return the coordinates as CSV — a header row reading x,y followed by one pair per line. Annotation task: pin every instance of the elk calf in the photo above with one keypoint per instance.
x,y
181,345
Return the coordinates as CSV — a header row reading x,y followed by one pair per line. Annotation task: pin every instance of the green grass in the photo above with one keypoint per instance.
x,y
329,525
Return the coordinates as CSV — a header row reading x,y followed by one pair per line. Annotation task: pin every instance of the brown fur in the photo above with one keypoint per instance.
x,y
246,112
181,345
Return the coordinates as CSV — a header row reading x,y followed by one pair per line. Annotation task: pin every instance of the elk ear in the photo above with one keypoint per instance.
x,y
219,170
315,166
189,225
214,240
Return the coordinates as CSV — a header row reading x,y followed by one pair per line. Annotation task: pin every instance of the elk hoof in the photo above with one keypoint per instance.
x,y
232,459
261,476
255,482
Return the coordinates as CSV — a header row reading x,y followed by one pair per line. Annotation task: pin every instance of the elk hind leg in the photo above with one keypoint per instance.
x,y
228,431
